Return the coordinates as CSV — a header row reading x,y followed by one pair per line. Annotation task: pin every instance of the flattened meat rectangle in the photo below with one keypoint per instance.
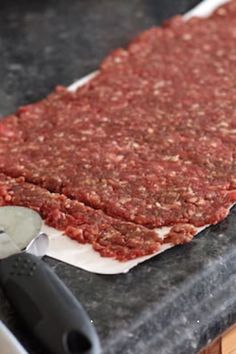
x,y
149,142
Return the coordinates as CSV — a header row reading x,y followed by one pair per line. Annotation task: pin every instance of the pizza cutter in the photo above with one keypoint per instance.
x,y
40,298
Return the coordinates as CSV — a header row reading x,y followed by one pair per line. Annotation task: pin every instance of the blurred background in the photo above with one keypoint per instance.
x,y
49,42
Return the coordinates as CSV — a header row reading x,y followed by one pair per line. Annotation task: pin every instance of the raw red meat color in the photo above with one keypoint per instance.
x,y
149,142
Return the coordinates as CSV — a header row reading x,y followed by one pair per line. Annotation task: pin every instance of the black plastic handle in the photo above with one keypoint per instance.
x,y
47,307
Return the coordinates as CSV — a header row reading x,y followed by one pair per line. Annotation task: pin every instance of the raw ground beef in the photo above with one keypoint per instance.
x,y
112,238
149,142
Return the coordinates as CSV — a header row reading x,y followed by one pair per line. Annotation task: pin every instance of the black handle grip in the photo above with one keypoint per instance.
x,y
47,307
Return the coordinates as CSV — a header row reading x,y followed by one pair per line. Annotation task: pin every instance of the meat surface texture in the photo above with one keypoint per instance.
x,y
149,142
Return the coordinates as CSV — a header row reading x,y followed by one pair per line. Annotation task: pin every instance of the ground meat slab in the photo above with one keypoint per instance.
x,y
111,237
149,142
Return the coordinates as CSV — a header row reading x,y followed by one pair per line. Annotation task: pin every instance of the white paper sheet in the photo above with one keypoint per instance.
x,y
69,251
205,8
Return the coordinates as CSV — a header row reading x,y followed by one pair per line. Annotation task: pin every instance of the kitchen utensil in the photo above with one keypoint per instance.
x,y
46,305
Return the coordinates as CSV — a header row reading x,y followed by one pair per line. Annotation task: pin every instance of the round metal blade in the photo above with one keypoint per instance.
x,y
39,245
21,224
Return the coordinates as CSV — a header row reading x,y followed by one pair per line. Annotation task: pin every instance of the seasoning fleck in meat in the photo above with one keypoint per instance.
x,y
149,142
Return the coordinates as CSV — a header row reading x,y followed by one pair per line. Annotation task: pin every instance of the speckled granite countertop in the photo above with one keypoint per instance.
x,y
176,302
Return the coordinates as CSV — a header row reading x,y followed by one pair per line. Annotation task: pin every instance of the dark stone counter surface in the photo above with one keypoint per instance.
x,y
176,302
